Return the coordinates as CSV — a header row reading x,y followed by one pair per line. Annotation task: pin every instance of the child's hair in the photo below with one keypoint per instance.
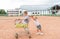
x,y
18,19
25,12
35,18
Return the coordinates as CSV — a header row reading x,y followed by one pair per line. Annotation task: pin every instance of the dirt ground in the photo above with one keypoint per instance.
x,y
50,27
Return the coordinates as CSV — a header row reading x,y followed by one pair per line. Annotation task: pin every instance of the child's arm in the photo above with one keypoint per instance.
x,y
32,17
20,21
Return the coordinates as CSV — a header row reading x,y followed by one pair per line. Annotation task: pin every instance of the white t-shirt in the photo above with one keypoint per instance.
x,y
26,20
36,22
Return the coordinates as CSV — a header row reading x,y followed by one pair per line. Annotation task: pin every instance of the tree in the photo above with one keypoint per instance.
x,y
2,11
55,9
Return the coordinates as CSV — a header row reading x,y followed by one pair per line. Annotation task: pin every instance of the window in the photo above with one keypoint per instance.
x,y
20,11
33,13
12,11
38,12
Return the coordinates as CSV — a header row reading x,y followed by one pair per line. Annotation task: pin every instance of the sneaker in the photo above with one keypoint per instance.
x,y
16,35
41,33
30,37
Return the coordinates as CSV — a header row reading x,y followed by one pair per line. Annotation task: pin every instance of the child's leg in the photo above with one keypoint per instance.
x,y
39,30
16,35
27,31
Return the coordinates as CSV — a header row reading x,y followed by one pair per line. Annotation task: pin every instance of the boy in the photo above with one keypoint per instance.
x,y
17,22
39,31
26,21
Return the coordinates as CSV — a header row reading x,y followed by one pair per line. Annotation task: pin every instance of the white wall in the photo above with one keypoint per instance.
x,y
58,12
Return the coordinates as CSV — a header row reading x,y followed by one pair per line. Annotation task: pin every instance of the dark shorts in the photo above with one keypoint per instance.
x,y
26,20
39,27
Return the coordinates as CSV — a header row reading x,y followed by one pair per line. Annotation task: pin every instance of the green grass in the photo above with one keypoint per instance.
x,y
3,14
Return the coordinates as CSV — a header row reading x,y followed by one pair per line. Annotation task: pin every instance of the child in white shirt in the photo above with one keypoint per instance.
x,y
39,31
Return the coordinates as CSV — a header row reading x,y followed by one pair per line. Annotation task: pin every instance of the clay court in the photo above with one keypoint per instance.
x,y
50,26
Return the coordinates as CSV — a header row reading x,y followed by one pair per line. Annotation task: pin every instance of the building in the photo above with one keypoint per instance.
x,y
37,9
32,10
14,12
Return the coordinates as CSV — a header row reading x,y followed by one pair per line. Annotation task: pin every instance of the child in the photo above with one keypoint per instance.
x,y
17,22
26,21
39,31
